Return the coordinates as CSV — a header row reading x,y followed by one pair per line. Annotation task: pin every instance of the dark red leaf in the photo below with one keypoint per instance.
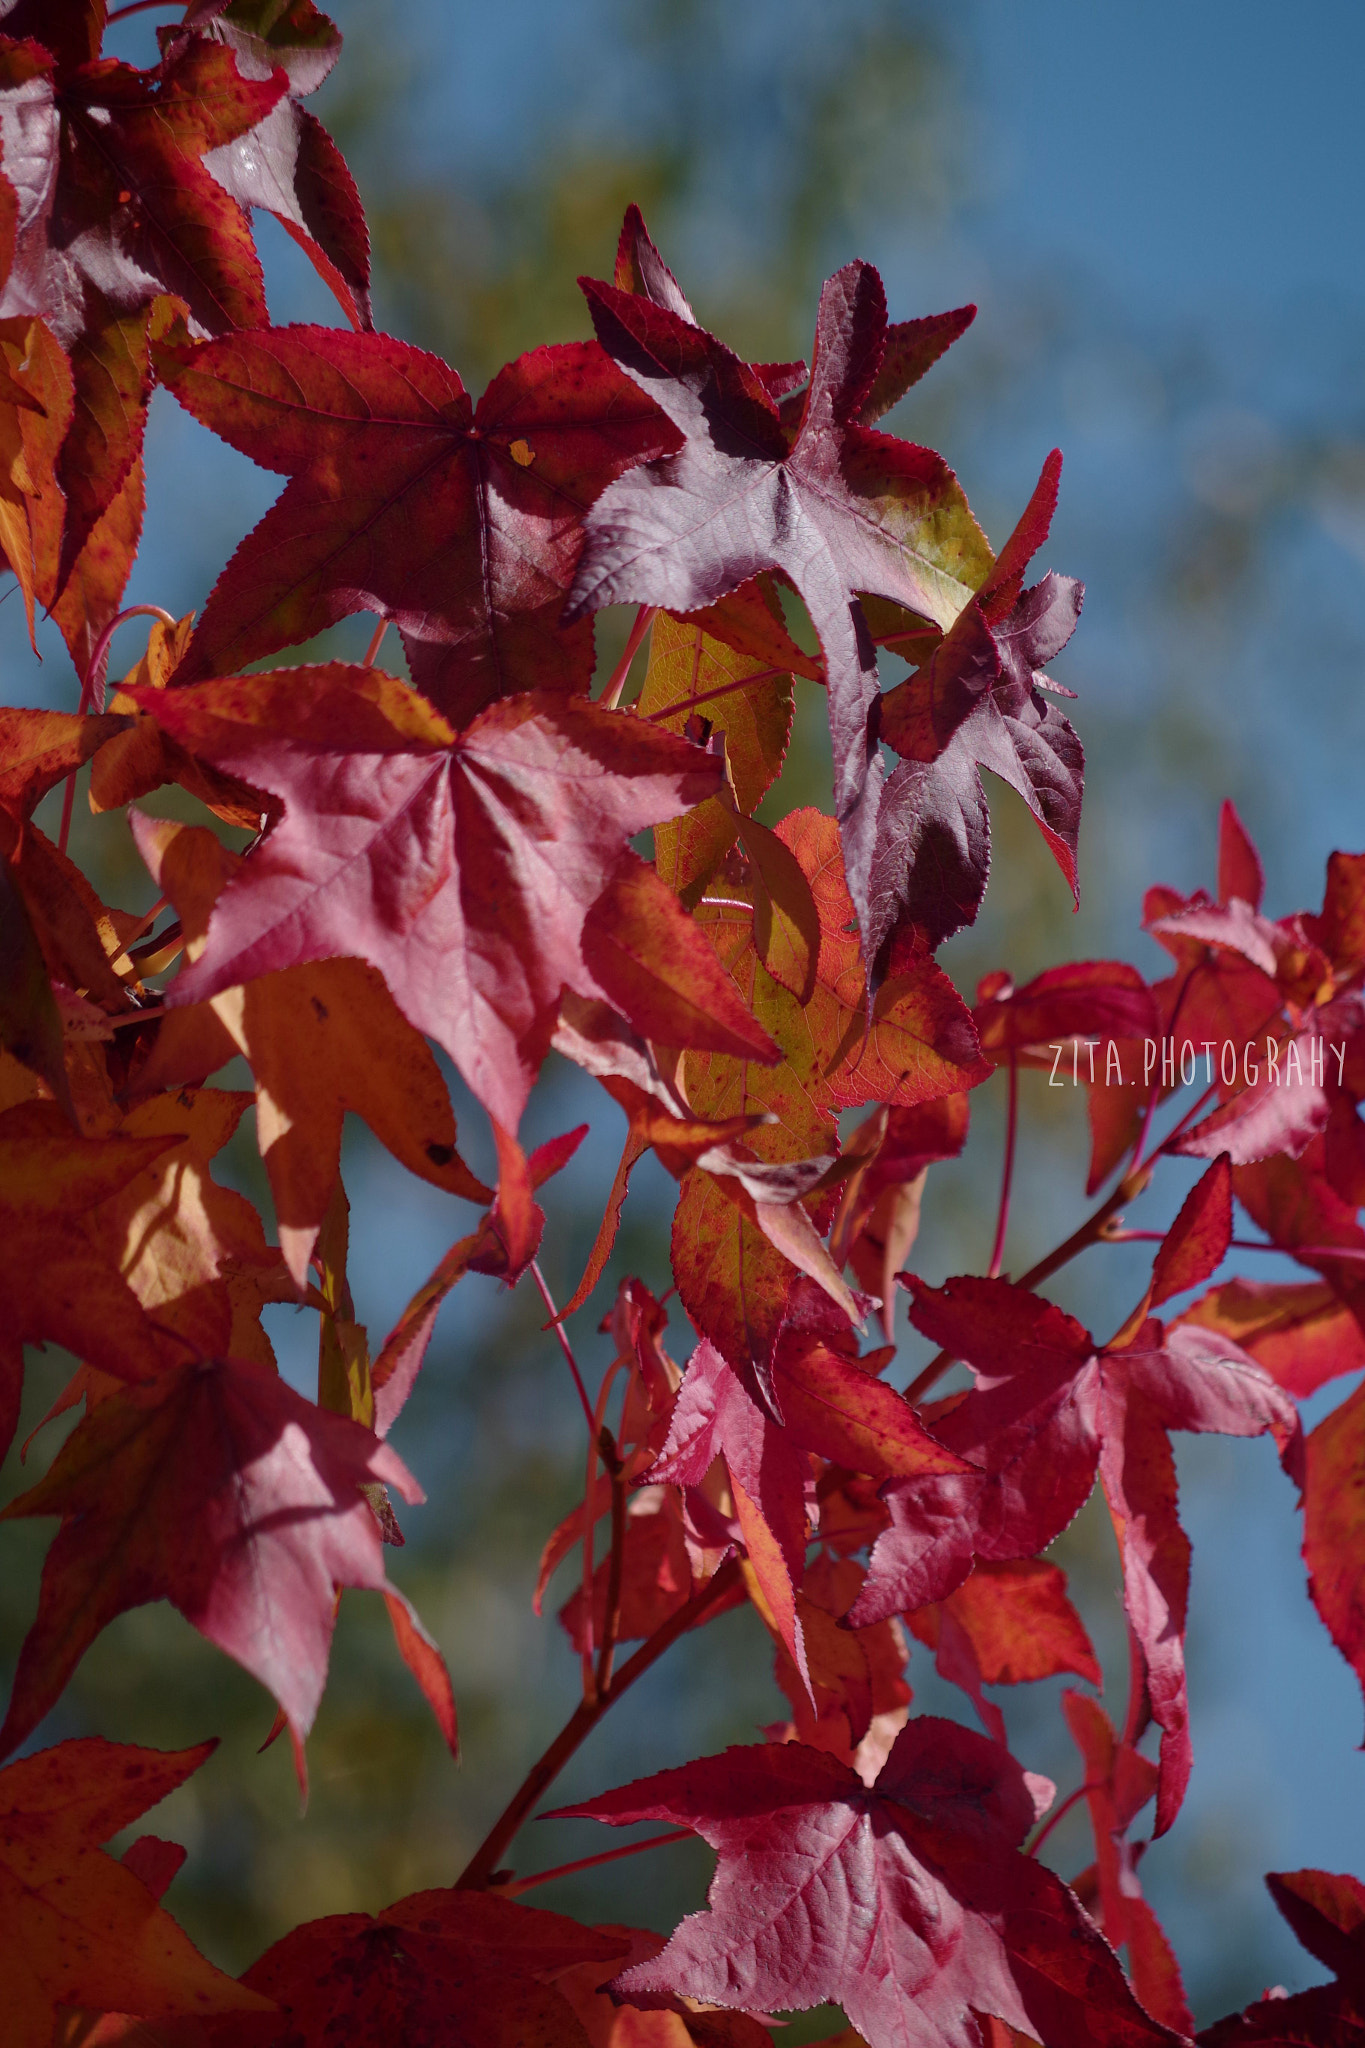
x,y
912,349
463,869
842,509
458,1967
1325,1913
1196,1242
716,1416
1118,1782
1333,1519
975,704
1340,928
907,1902
1049,1408
1001,591
382,445
1239,865
1101,999
220,1489
288,163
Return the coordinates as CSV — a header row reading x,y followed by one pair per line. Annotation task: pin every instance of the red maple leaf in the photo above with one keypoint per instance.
x,y
1051,1408
116,207
833,1407
288,164
461,523
1298,1330
1119,1781
1333,1517
220,1489
977,703
908,1901
1083,999
839,509
1006,1624
465,869
78,1928
456,1967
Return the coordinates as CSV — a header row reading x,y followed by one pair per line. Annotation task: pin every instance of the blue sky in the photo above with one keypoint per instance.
x,y
1202,152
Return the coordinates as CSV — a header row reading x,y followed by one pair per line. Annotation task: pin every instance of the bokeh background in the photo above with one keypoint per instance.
x,y
1159,212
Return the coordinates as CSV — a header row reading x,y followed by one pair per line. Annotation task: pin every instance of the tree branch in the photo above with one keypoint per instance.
x,y
479,1870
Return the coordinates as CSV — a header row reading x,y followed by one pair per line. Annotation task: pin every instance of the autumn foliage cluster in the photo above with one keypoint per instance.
x,y
452,860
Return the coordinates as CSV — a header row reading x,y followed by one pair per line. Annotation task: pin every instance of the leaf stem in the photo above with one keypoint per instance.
x,y
644,619
1055,1819
565,1346
611,1624
479,1870
376,642
135,7
1007,1173
92,686
601,1443
150,1010
144,925
525,1884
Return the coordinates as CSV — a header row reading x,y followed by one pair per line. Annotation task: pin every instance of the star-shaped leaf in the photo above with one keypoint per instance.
x,y
461,523
908,1901
78,1928
833,1407
117,208
288,163
1050,1409
976,704
459,1967
733,1280
216,1487
464,869
838,509
320,1040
